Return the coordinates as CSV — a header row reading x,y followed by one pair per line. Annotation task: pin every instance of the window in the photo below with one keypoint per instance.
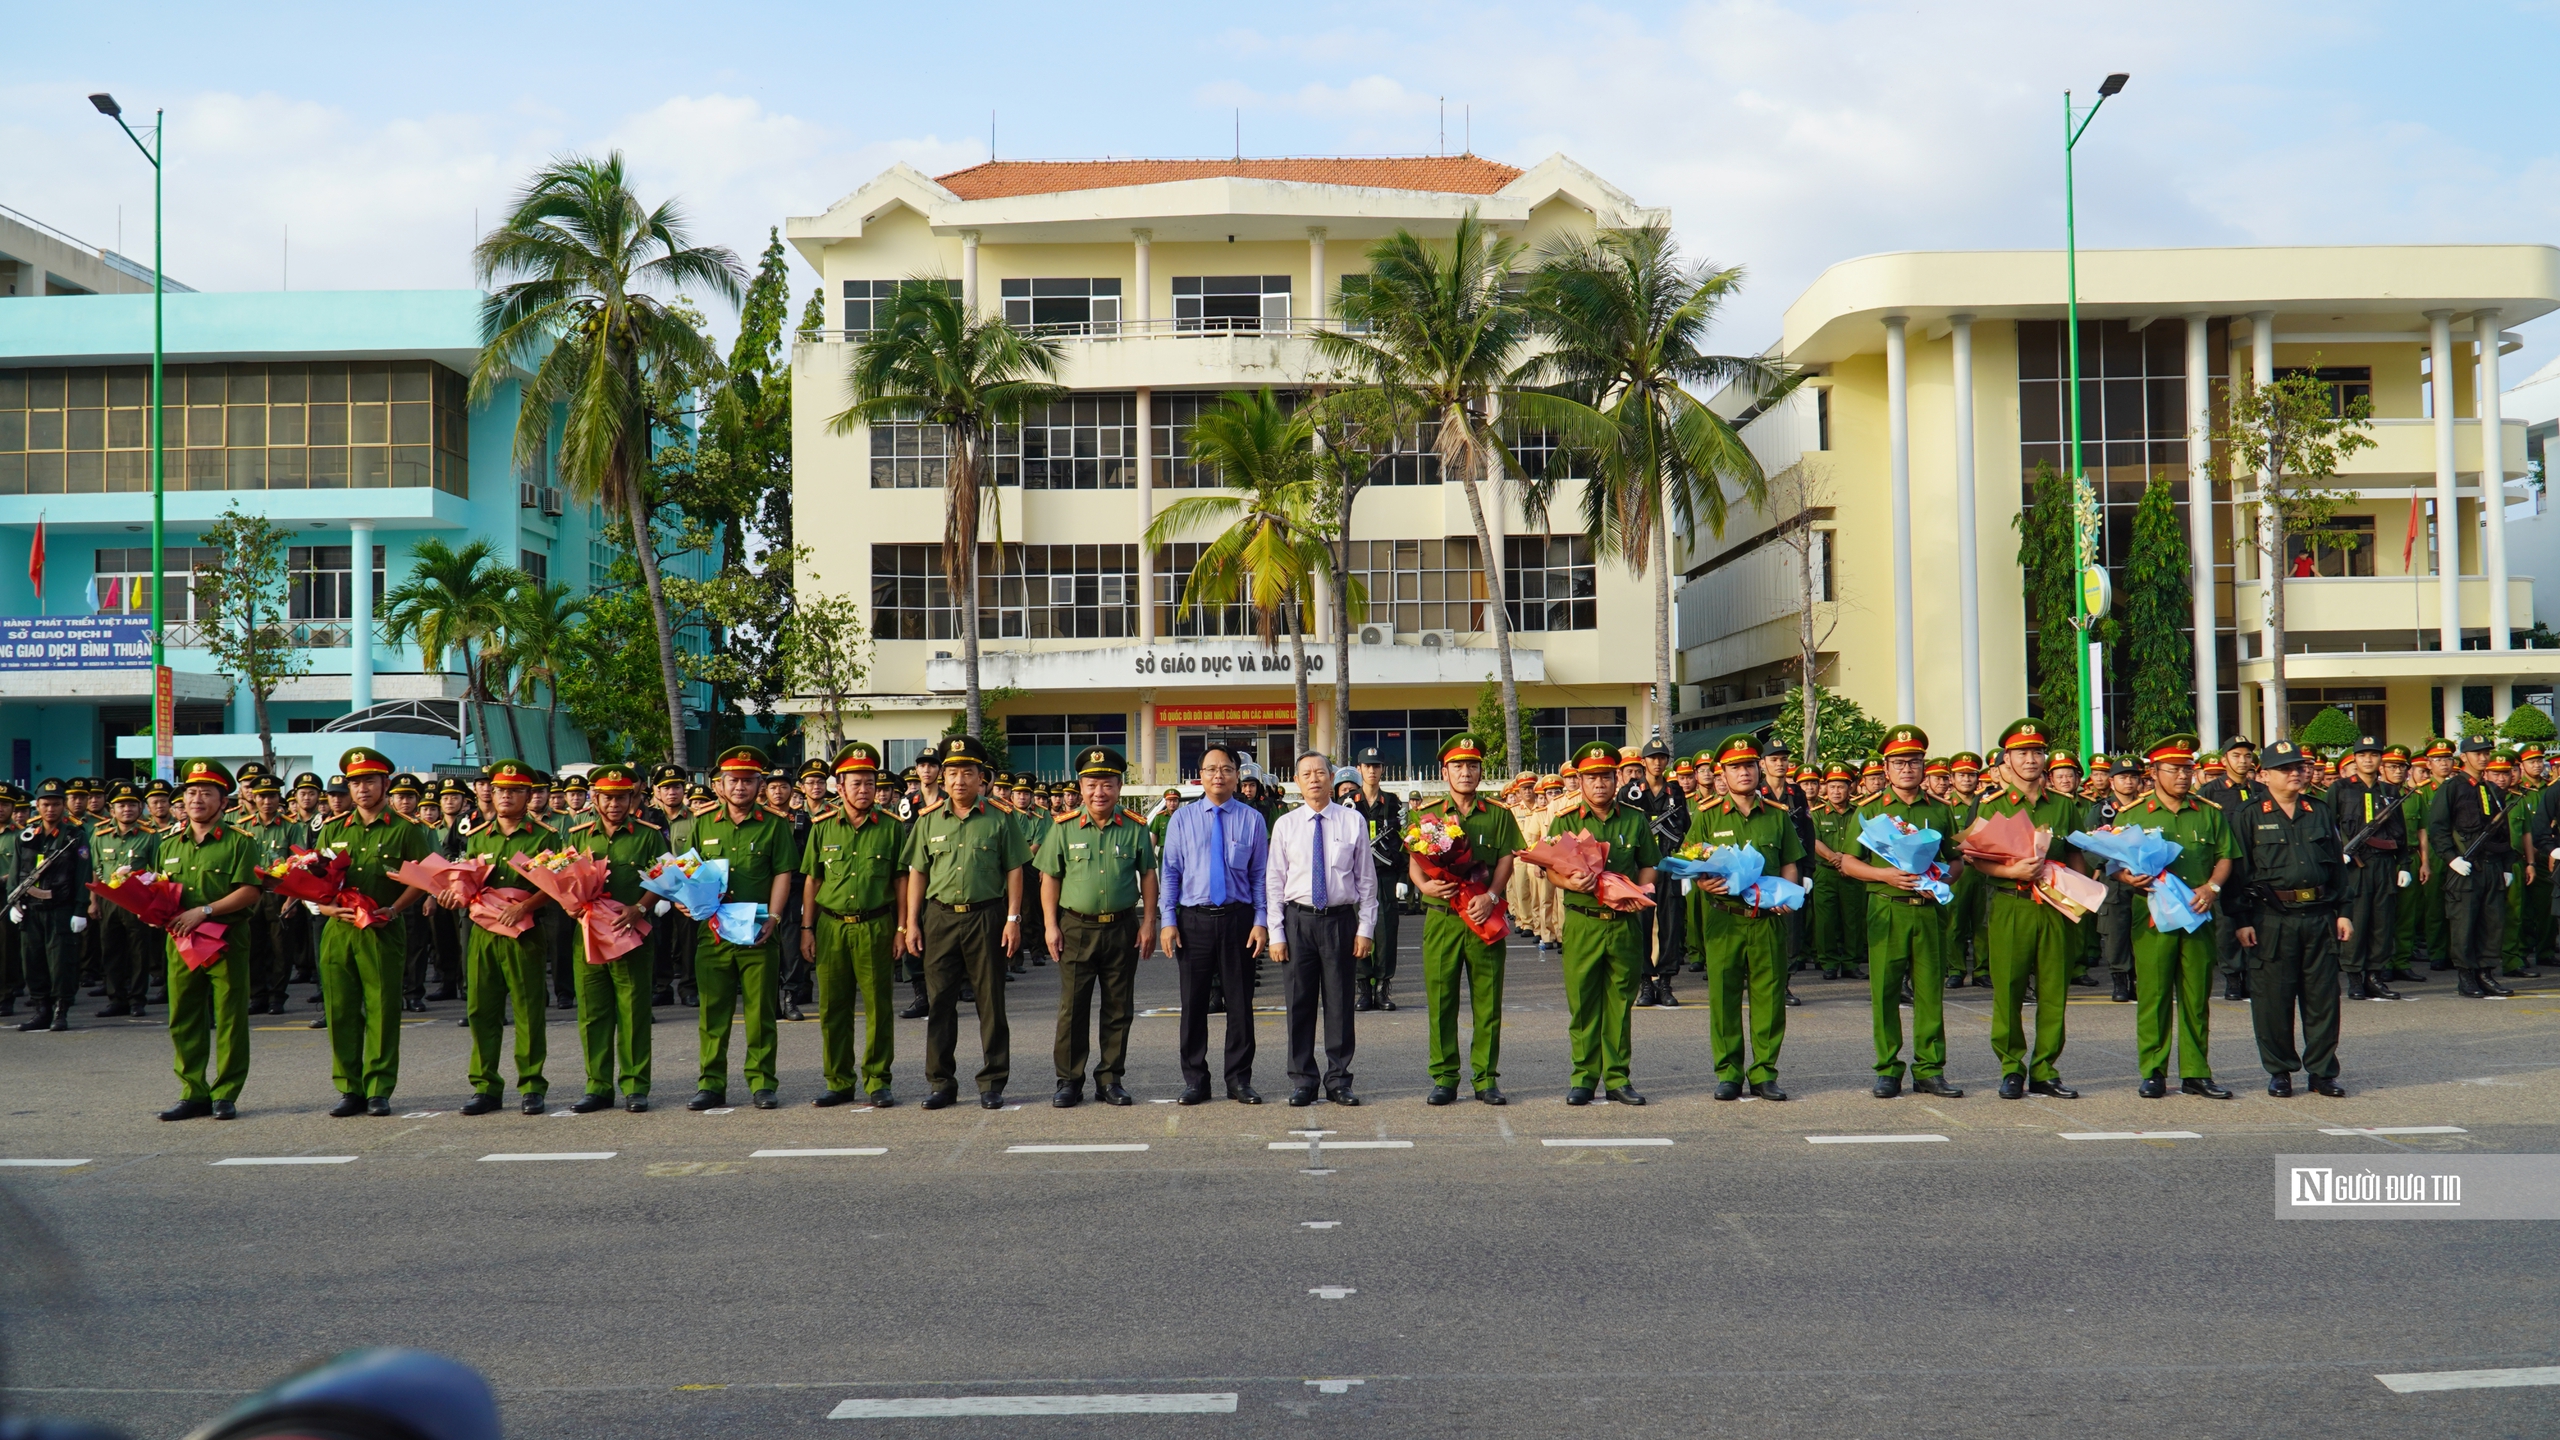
x,y
901,753
1231,302
862,299
1407,741
1084,442
2362,704
1419,585
328,426
123,584
1046,745
1353,286
1171,417
1063,307
2347,385
535,565
908,455
2352,557
1174,564
1412,459
1562,731
1036,592
1550,583
321,593
1821,419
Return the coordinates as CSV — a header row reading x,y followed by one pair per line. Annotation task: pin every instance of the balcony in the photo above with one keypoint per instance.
x,y
2404,450
1165,354
2385,604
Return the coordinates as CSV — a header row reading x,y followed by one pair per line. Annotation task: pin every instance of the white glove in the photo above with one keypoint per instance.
x,y
2461,866
17,915
314,909
2509,876
2404,879
79,923
663,908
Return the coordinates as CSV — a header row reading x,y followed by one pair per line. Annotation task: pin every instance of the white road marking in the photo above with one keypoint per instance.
x,y
2131,1135
422,1115
564,1113
552,1155
932,1407
2395,1130
1597,1144
1868,1139
40,1164
1347,1145
1078,1149
2471,1379
1318,1224
794,1154
1335,1387
721,1110
288,1160
1332,1292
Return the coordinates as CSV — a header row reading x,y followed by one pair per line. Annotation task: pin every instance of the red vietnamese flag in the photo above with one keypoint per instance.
x,y
35,565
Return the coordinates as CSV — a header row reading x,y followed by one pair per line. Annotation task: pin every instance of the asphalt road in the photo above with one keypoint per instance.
x,y
1737,1280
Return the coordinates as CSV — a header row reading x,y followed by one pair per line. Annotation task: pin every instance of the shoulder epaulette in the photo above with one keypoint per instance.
x,y
582,827
2267,807
932,805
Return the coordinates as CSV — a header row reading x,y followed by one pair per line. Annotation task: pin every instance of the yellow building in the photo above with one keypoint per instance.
x,y
1172,283
1937,389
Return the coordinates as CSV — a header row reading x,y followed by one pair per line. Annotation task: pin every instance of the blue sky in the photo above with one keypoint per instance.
x,y
1785,137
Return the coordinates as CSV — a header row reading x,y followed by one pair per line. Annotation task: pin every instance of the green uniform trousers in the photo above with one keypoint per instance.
x,y
2373,904
2172,986
1093,957
1907,941
1965,950
2409,943
361,972
1745,956
2475,916
2117,926
1453,959
1835,937
1604,953
728,977
2027,938
856,961
614,1019
501,971
2528,922
209,1014
966,947
2296,977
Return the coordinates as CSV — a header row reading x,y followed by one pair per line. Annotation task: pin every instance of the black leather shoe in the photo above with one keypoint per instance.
x,y
1194,1095
2404,975
707,1100
378,1107
348,1107
2204,1087
446,993
2439,964
2123,994
1625,1095
991,1099
61,1018
2489,986
1341,1096
791,1011
1442,1095
1792,1001
481,1104
882,1099
2280,1086
636,1104
941,1100
1936,1085
37,1020
225,1110
2153,1087
968,994
1365,999
1644,996
592,1101
916,1010
1218,1006
1768,1090
1888,1087
2054,1088
2328,1085
188,1110
1244,1095
1728,1090
829,1099
1386,999
1112,1094
532,1104
1578,1095
1301,1099
2232,989
2013,1087
1663,997
1069,1096
767,1100
2375,989
115,1009
1492,1095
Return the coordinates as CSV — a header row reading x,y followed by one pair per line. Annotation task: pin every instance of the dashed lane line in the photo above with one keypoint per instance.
x,y
1076,1150
2394,1130
40,1164
2471,1379
288,1160
1869,1139
1598,1144
2131,1135
552,1155
1345,1145
934,1407
811,1154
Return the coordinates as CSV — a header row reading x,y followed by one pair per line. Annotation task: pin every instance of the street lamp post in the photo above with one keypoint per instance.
x,y
164,763
2086,607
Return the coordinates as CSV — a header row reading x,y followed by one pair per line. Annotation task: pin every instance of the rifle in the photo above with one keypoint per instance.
x,y
2348,850
36,880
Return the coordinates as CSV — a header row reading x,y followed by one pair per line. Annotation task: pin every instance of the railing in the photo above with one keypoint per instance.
x,y
1212,327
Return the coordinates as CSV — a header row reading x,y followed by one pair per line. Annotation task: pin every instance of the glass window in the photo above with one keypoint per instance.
x,y
908,455
1256,303
1084,442
2349,553
1046,745
320,592
1561,731
1174,564
1417,585
1550,583
1407,741
1063,307
1033,592
122,578
862,300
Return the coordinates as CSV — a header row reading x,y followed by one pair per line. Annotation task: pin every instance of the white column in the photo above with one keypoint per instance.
x,y
1146,504
2493,487
1315,272
2271,556
2448,508
1146,297
1897,387
1968,564
2200,531
969,271
360,642
1147,738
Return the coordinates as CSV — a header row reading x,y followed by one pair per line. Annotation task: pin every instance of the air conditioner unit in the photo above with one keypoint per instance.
x,y
1439,639
1376,635
525,494
553,502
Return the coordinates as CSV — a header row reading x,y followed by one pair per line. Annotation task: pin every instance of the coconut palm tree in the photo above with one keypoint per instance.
x,y
1627,319
1441,329
454,603
545,630
931,361
1353,430
584,334
1274,544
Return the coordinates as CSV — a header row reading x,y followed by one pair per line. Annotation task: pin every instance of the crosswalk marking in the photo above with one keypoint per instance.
x,y
40,1164
2394,1130
2131,1135
1346,1145
2471,1379
936,1406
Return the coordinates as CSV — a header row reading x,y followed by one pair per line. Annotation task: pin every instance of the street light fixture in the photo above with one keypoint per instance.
x,y
164,763
2089,590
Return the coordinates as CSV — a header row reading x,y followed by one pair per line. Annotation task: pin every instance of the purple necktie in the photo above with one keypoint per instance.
x,y
1316,819
1218,871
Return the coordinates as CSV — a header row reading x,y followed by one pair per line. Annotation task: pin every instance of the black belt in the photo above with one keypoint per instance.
x,y
964,907
1351,908
1214,909
860,917
1601,912
1107,917
2294,900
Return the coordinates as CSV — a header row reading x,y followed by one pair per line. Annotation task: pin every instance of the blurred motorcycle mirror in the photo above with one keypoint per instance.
x,y
378,1394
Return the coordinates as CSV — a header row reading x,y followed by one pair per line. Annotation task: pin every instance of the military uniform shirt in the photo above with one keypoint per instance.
x,y
2199,827
70,874
626,852
856,861
209,869
487,843
964,857
2287,852
2057,812
1631,846
1768,828
2355,805
276,841
757,849
2463,810
374,850
1923,813
1492,833
1098,864
110,851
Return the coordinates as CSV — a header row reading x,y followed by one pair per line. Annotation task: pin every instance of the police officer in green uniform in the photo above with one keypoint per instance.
x,y
853,870
757,844
1833,894
613,996
128,950
500,970
215,865
1031,813
2467,833
1097,871
362,968
1906,936
964,861
2173,970
276,833
1744,946
1604,948
2290,923
1454,956
2027,939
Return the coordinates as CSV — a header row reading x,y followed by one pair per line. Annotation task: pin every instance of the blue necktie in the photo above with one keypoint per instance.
x,y
1317,821
1218,870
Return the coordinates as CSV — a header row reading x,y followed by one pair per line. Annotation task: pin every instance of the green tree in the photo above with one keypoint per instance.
x,y
1486,722
2045,556
1628,318
813,316
454,603
1271,550
543,636
931,361
2528,722
2332,729
2150,644
1355,430
1843,729
241,611
828,653
2476,725
2294,432
612,696
991,729
582,331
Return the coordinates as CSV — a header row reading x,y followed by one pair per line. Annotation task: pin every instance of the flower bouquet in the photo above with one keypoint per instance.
x,y
1441,848
462,880
2141,853
1579,861
1744,871
689,882
1911,849
155,900
738,923
2008,838
576,881
319,877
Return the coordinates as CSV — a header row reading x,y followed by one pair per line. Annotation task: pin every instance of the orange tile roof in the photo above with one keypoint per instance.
x,y
1446,174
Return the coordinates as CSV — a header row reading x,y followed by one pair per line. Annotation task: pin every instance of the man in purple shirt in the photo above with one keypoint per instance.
x,y
1214,920
1324,887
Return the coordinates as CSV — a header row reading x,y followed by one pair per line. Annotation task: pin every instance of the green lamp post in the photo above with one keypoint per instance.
x,y
2089,590
163,763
